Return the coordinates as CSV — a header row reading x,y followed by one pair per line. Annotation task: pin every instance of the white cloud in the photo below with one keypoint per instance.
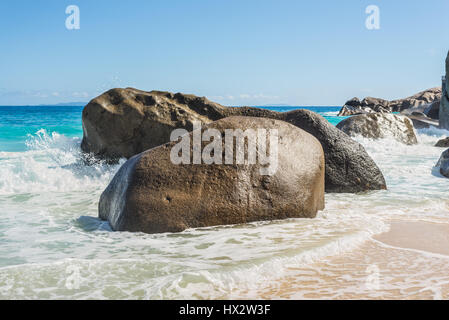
x,y
264,96
77,94
40,95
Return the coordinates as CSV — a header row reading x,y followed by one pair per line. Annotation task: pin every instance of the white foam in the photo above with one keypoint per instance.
x,y
49,200
330,114
53,164
158,279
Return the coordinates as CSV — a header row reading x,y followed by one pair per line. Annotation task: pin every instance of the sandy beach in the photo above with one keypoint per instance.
x,y
410,261
417,235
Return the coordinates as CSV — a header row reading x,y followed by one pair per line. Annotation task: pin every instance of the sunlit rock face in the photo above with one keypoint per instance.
x,y
380,126
153,194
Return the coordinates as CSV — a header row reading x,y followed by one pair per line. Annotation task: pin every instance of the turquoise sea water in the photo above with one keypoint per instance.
x,y
18,123
53,246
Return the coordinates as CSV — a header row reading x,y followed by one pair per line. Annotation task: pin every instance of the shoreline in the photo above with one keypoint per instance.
x,y
409,261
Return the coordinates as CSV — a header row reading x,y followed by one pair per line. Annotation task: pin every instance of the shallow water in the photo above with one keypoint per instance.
x,y
53,246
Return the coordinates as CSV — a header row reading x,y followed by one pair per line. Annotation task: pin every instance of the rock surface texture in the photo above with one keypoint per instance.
x,y
152,194
443,143
443,163
125,122
444,106
349,168
380,126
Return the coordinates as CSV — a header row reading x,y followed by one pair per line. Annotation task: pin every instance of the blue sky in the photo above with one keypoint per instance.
x,y
235,52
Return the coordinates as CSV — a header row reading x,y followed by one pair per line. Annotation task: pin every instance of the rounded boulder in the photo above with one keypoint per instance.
x,y
152,193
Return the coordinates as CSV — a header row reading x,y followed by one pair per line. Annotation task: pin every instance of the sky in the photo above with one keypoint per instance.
x,y
235,52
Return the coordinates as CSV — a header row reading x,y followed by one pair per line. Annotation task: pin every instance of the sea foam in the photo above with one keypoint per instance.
x,y
53,163
49,200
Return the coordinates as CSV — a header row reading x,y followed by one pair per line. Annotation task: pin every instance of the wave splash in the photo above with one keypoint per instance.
x,y
231,261
53,163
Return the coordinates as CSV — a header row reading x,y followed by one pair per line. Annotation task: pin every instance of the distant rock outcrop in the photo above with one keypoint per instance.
x,y
371,105
380,125
152,194
125,122
444,106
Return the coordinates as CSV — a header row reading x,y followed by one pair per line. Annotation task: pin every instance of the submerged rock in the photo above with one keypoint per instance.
x,y
349,168
380,125
124,122
152,194
443,163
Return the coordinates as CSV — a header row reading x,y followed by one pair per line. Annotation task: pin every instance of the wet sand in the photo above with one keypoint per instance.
x,y
410,261
424,236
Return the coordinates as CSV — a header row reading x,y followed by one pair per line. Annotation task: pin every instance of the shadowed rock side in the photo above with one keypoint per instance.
x,y
151,194
433,110
444,106
349,168
125,122
443,143
379,126
443,163
371,105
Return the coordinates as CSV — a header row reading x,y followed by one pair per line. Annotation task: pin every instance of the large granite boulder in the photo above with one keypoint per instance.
x,y
443,163
125,122
152,194
349,168
372,105
379,126
444,105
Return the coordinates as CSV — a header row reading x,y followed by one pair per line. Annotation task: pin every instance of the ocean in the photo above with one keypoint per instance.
x,y
53,246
